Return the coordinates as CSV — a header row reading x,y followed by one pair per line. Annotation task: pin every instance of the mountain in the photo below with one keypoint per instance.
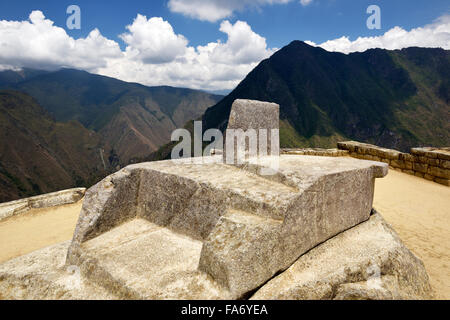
x,y
39,155
70,128
10,77
133,119
396,99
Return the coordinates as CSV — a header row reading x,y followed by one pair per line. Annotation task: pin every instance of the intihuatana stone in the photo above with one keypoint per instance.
x,y
201,229
244,220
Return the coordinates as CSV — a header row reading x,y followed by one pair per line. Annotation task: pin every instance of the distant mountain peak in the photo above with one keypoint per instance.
x,y
395,99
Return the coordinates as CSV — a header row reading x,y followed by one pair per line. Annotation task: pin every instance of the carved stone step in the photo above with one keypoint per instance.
x,y
141,260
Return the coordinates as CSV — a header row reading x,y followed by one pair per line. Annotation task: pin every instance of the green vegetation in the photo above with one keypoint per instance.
x,y
38,155
133,119
56,126
397,99
94,100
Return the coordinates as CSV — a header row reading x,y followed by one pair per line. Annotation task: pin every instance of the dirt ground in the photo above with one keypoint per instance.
x,y
419,210
37,229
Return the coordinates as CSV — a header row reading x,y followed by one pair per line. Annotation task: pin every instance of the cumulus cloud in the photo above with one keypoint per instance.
x,y
216,65
37,42
305,2
154,55
153,40
242,47
436,34
214,10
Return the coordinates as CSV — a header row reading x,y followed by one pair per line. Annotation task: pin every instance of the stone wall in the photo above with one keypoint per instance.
x,y
315,152
429,163
12,208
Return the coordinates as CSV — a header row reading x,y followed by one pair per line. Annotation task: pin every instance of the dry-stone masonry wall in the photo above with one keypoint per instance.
x,y
315,152
429,163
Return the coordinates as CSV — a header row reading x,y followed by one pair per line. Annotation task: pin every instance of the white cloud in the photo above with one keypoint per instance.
x,y
156,55
242,47
153,40
216,65
433,35
305,2
214,10
38,42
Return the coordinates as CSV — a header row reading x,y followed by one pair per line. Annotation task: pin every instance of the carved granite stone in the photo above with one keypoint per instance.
x,y
185,229
246,115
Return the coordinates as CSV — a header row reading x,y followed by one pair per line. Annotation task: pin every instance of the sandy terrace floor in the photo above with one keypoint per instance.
x,y
419,210
37,229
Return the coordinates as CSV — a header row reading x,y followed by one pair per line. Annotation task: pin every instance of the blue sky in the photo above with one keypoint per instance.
x,y
277,24
280,24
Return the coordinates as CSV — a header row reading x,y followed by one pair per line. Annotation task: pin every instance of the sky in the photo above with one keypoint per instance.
x,y
203,44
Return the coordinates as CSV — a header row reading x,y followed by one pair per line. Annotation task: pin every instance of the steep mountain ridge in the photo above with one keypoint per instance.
x,y
395,99
134,119
39,155
70,128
